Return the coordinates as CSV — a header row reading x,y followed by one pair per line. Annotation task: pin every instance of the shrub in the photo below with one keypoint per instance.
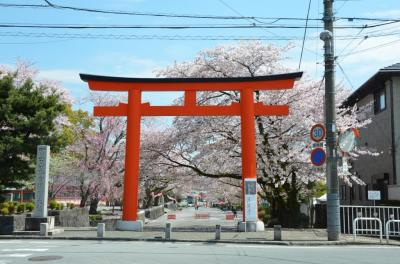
x,y
61,206
29,206
264,214
95,217
21,208
11,208
4,211
53,205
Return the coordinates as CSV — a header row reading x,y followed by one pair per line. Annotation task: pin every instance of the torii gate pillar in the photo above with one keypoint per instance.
x,y
249,164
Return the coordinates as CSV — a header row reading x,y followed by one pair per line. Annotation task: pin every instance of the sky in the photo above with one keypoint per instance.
x,y
59,56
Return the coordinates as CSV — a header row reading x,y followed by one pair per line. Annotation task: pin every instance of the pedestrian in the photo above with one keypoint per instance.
x,y
234,212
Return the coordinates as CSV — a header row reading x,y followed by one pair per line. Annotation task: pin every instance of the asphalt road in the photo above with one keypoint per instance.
x,y
70,251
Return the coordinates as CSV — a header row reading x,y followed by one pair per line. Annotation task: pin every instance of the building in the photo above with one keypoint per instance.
x,y
379,99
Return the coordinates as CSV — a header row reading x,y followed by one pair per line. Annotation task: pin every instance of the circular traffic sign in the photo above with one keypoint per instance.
x,y
317,132
318,157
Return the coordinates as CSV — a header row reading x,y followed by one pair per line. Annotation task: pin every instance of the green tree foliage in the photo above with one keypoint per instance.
x,y
28,114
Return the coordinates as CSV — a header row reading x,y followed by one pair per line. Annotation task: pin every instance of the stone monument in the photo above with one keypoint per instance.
x,y
42,181
41,191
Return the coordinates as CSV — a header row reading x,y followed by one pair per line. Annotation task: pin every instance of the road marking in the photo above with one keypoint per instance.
x,y
15,255
11,242
25,249
314,247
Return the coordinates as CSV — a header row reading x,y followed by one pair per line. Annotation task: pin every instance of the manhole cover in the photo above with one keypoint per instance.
x,y
44,258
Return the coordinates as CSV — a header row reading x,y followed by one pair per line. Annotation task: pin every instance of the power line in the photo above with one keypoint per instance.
x,y
350,42
173,37
32,43
184,26
173,15
250,19
136,13
374,47
356,46
135,36
343,4
305,33
345,75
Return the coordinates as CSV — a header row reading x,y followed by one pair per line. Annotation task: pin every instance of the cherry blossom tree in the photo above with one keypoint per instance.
x,y
211,147
98,150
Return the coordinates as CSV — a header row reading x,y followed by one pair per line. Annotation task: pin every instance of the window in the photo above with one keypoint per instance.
x,y
380,101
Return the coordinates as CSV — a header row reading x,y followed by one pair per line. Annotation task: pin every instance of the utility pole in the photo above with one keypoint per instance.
x,y
333,205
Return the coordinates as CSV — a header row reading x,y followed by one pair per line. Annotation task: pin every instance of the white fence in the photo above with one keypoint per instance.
x,y
385,213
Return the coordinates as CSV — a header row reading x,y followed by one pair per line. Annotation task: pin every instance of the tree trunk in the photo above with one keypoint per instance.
x,y
83,201
94,202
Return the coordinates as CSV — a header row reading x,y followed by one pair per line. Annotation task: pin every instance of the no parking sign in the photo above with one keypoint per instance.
x,y
318,157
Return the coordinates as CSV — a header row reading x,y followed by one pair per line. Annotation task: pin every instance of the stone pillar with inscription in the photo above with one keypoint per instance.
x,y
41,191
42,181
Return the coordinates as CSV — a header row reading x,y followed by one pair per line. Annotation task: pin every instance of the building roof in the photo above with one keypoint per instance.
x,y
373,83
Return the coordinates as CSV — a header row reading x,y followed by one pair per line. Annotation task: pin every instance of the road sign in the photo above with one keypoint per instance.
x,y
317,132
318,157
374,195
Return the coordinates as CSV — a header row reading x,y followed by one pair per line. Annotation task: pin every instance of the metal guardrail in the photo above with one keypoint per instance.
x,y
387,228
349,212
356,229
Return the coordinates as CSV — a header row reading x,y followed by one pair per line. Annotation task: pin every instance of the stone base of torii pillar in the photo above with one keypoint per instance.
x,y
251,226
130,225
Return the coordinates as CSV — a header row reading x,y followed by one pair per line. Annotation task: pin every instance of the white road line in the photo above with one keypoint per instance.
x,y
314,247
14,255
24,249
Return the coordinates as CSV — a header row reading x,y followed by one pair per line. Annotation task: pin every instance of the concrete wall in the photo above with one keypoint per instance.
x,y
154,212
111,221
11,223
77,217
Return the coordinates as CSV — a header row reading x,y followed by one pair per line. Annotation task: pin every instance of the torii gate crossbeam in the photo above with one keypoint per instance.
x,y
247,109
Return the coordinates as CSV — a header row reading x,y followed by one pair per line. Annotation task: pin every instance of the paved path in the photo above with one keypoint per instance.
x,y
99,252
186,220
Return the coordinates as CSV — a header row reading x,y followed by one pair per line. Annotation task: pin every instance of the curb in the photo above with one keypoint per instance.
x,y
240,242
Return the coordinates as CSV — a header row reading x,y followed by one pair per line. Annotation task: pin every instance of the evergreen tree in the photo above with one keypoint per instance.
x,y
28,114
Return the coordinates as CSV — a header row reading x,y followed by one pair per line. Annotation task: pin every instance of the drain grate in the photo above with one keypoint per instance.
x,y
44,258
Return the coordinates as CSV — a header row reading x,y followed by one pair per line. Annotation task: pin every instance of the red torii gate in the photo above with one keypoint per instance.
x,y
135,109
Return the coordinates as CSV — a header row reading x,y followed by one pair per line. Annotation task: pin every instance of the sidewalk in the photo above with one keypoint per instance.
x,y
301,237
